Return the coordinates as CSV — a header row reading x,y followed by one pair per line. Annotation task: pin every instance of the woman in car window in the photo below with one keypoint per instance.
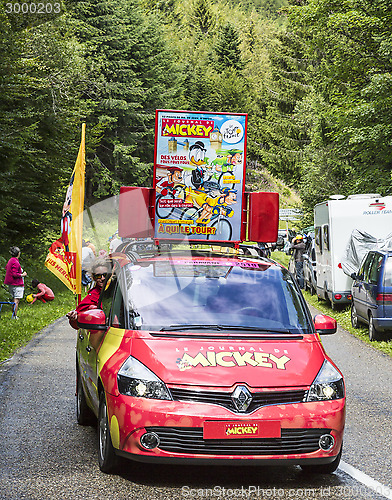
x,y
99,271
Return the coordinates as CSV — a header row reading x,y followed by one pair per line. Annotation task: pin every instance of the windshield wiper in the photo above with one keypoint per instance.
x,y
224,327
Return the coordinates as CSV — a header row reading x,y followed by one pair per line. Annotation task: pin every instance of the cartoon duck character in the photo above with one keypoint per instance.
x,y
197,153
197,157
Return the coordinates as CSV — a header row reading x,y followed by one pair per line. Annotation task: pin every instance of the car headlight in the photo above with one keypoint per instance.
x,y
135,379
327,385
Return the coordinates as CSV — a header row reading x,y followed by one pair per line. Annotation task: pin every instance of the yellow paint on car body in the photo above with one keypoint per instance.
x,y
109,346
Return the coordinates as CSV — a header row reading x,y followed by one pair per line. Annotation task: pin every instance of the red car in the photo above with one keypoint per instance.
x,y
202,356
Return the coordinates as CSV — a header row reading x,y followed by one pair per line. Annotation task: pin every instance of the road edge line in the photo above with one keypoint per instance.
x,y
363,478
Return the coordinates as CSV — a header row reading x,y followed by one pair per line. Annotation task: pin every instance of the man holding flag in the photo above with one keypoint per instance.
x,y
64,257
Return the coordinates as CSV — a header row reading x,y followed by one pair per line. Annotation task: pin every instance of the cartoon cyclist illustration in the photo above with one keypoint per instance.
x,y
227,160
214,206
167,184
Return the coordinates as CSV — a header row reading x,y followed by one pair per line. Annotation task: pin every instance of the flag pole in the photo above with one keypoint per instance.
x,y
80,218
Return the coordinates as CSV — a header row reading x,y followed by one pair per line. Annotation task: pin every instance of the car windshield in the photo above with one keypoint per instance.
x,y
217,294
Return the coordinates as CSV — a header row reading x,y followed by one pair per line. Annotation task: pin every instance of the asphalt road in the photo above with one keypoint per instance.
x,y
45,454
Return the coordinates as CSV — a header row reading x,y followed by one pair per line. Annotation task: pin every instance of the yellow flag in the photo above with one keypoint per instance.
x,y
64,259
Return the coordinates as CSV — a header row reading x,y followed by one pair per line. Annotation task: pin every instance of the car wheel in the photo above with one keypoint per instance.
x,y
84,414
354,317
323,468
373,333
107,458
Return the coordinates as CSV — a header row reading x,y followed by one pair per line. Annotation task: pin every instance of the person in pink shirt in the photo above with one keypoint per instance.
x,y
14,275
45,294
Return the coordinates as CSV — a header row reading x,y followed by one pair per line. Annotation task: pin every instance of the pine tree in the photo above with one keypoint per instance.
x,y
228,50
202,19
129,77
40,113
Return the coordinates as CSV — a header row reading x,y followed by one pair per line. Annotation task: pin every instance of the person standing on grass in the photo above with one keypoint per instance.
x,y
14,275
45,294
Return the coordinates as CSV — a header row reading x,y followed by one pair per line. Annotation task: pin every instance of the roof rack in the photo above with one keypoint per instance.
x,y
143,247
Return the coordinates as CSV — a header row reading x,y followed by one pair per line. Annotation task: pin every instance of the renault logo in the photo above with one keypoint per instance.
x,y
241,398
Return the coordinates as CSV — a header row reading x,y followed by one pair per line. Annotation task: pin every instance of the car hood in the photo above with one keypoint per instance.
x,y
222,361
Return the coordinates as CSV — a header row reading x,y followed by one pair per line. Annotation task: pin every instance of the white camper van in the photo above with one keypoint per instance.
x,y
334,222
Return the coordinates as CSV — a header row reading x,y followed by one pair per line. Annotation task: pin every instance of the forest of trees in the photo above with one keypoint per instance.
x,y
314,77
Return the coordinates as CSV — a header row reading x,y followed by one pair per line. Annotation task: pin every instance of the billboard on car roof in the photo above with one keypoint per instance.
x,y
199,175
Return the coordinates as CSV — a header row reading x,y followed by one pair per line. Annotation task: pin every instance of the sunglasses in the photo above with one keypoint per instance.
x,y
101,275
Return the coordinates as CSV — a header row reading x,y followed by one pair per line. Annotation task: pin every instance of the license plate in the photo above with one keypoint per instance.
x,y
228,429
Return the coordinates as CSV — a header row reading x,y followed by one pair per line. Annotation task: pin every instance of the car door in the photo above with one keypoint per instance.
x,y
372,284
83,350
93,340
359,288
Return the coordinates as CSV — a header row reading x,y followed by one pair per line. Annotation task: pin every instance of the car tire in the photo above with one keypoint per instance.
x,y
354,316
84,414
373,333
107,458
323,468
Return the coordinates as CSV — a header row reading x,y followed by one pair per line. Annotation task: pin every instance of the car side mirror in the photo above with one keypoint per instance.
x,y
325,325
354,276
93,319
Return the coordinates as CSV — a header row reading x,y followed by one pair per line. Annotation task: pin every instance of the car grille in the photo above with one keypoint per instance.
x,y
259,399
190,440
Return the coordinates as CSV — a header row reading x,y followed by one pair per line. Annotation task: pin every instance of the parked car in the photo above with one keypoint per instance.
x,y
310,269
284,235
372,294
200,356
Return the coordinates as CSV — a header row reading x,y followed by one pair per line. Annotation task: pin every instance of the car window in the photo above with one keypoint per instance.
x,y
317,238
106,297
117,317
374,269
388,272
313,254
364,269
253,294
326,237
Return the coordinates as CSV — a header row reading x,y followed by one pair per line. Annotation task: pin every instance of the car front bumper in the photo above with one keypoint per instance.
x,y
179,427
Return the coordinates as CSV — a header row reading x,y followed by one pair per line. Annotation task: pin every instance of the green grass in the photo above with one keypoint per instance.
x,y
281,257
32,318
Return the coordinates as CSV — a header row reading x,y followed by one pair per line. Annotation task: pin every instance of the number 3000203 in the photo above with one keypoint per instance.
x,y
33,8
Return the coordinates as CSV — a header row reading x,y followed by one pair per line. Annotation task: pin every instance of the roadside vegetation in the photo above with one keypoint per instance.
x,y
314,78
342,317
32,317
